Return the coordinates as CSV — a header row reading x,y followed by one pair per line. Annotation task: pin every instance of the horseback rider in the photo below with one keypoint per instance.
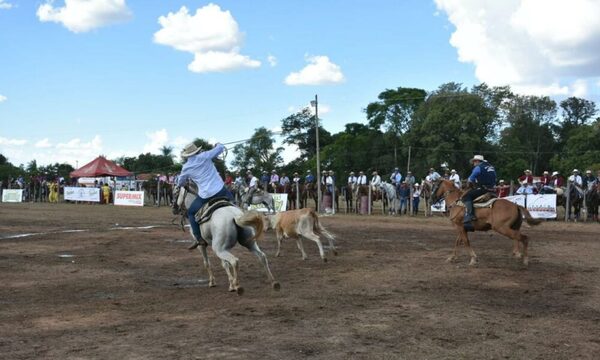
x,y
375,181
588,180
199,167
577,181
252,187
396,178
482,180
309,177
352,179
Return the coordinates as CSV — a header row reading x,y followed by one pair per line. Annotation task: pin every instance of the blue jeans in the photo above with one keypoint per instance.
x,y
415,207
198,204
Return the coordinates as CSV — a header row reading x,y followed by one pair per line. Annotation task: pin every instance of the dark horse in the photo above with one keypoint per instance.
x,y
593,201
349,196
310,191
575,197
502,216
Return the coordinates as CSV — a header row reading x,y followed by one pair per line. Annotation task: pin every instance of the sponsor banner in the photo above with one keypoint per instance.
x,y
439,206
12,195
542,206
129,198
279,200
82,194
517,199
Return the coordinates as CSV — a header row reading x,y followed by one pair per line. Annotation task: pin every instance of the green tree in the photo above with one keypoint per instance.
x,y
394,112
299,130
258,153
450,126
581,150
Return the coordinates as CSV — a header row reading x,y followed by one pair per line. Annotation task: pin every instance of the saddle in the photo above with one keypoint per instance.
x,y
486,200
204,214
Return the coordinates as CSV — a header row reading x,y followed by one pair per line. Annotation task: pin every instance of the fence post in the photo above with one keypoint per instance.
x,y
584,207
369,201
333,199
158,193
297,195
568,202
510,192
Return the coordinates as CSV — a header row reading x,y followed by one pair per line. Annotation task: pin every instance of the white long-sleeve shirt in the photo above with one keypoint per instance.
x,y
455,178
201,169
362,180
376,180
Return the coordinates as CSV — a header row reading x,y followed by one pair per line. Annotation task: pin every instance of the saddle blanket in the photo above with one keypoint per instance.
x,y
487,204
203,215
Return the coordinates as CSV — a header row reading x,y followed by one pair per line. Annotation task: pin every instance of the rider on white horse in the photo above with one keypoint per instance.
x,y
252,186
200,168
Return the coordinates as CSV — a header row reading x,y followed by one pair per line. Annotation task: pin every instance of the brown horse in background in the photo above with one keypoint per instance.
x,y
502,216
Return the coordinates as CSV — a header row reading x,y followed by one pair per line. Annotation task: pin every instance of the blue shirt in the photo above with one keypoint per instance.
x,y
310,178
203,172
484,174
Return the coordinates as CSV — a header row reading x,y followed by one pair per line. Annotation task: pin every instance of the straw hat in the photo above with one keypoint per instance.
x,y
477,158
189,150
554,173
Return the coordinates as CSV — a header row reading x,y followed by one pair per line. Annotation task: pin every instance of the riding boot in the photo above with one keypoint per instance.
x,y
469,212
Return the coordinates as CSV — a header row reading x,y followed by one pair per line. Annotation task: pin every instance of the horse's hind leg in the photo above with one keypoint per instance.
x,y
263,260
517,237
211,278
231,265
462,236
301,247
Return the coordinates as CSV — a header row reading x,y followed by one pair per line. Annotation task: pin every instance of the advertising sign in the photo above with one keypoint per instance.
x,y
129,198
542,206
439,206
280,201
12,195
82,194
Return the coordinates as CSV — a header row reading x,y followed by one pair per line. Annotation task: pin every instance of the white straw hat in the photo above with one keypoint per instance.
x,y
189,150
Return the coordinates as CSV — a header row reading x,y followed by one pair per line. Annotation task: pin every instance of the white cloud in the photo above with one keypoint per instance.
x,y
5,5
211,34
12,142
44,143
535,46
272,60
319,71
85,15
158,139
3,98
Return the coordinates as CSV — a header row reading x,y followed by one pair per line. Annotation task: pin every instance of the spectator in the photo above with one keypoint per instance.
x,y
284,180
252,186
432,175
264,179
375,181
546,179
588,180
228,179
239,180
576,179
352,179
416,196
525,189
502,189
526,178
296,178
396,178
274,180
362,179
557,180
410,179
404,194
106,193
455,178
330,181
310,178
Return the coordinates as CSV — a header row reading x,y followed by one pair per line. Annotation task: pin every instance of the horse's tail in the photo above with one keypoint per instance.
x,y
523,212
254,219
318,228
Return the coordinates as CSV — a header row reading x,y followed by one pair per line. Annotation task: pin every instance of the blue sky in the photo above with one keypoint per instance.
x,y
122,77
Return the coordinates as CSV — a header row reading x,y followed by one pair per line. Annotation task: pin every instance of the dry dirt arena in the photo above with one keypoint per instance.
x,y
118,291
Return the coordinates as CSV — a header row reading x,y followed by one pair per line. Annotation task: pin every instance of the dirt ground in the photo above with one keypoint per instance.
x,y
116,291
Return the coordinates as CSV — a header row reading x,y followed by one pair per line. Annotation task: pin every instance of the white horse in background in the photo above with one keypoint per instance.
x,y
390,192
228,226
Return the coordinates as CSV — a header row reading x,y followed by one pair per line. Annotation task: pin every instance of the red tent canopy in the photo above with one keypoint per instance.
x,y
100,167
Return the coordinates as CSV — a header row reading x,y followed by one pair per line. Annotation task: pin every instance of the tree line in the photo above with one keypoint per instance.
x,y
412,129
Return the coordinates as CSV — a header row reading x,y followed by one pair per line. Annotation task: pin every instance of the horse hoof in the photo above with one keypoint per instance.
x,y
211,284
473,262
324,259
276,286
517,255
450,259
240,291
526,262
335,253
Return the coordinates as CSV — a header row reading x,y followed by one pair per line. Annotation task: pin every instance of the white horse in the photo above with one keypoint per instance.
x,y
259,197
390,192
228,226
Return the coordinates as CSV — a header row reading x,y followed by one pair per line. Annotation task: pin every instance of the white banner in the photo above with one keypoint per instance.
x,y
12,195
517,199
129,198
439,206
82,194
280,201
542,206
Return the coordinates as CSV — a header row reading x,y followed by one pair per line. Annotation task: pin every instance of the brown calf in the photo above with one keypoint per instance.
x,y
300,223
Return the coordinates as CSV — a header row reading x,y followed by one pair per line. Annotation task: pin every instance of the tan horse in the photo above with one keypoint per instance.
x,y
502,216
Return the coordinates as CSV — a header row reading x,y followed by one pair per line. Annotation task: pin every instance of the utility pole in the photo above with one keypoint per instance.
x,y
315,103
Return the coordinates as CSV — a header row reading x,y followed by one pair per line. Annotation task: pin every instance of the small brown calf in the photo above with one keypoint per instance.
x,y
300,223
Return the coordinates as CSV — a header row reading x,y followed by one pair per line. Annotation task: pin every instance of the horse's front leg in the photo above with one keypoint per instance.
x,y
211,278
454,254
